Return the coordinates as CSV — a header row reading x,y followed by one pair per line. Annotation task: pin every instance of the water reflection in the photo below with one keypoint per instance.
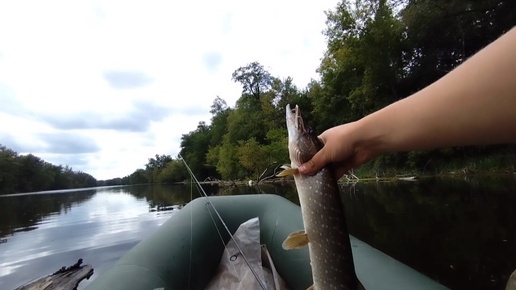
x,y
21,213
285,189
160,197
43,232
459,232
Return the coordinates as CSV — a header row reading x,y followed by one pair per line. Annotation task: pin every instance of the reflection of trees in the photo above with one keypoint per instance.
x,y
163,197
461,233
24,212
285,189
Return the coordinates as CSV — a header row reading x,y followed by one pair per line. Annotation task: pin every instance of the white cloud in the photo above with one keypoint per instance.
x,y
132,76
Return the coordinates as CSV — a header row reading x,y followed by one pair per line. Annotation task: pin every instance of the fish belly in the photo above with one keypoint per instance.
x,y
325,225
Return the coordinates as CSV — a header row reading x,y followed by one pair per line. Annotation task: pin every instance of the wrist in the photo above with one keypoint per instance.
x,y
371,138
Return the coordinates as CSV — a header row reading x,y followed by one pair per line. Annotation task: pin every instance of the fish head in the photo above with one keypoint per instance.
x,y
302,143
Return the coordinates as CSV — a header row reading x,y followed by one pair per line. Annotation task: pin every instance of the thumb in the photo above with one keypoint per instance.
x,y
318,161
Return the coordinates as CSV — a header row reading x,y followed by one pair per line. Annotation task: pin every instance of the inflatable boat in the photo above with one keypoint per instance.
x,y
185,251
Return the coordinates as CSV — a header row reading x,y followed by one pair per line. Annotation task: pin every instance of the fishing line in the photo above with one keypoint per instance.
x,y
208,203
191,236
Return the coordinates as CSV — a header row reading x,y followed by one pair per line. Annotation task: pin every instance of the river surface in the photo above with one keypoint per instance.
x,y
460,232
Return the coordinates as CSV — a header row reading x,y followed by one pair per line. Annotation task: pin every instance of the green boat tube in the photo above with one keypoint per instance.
x,y
185,251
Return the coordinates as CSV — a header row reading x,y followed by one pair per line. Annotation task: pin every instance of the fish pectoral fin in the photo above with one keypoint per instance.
x,y
296,240
288,171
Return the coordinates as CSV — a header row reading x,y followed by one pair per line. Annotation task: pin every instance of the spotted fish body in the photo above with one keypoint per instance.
x,y
324,221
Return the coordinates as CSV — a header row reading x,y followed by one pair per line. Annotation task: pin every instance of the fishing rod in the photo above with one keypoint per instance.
x,y
207,202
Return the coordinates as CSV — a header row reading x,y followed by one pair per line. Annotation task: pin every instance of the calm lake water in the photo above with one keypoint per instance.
x,y
460,232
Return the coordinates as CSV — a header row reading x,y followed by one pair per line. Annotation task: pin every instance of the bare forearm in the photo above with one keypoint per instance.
x,y
472,105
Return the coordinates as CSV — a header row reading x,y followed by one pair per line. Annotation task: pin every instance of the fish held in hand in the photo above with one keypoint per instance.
x,y
325,229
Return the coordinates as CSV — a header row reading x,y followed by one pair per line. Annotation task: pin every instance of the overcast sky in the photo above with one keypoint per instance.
x,y
104,85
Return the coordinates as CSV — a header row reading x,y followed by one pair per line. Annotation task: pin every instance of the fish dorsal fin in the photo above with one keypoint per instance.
x,y
296,240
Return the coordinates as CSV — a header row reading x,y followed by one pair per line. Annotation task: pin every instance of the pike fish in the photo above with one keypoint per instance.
x,y
325,229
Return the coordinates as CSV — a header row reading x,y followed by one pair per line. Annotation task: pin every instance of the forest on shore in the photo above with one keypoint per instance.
x,y
378,52
27,173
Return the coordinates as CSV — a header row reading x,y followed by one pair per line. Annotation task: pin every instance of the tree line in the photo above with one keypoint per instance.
x,y
27,173
159,169
377,52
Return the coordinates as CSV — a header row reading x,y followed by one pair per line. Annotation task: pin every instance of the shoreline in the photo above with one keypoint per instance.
x,y
405,177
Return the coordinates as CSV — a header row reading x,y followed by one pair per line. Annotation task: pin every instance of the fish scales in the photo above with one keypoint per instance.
x,y
325,226
323,214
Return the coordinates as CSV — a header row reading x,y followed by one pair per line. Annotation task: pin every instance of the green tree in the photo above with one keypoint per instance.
x,y
194,147
137,177
252,157
273,103
362,66
175,171
62,177
255,110
245,122
442,34
154,167
160,162
225,159
219,120
254,79
82,179
276,151
33,174
378,51
9,168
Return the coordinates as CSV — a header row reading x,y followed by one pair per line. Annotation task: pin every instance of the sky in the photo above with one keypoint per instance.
x,y
102,86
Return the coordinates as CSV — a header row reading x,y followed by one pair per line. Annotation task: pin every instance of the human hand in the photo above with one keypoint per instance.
x,y
343,150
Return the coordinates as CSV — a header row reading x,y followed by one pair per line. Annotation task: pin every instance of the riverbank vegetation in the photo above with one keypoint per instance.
x,y
378,52
26,173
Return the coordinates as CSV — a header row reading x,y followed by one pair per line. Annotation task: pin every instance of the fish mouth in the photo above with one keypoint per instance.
x,y
295,125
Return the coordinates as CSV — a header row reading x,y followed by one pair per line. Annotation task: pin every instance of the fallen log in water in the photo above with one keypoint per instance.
x,y
66,278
